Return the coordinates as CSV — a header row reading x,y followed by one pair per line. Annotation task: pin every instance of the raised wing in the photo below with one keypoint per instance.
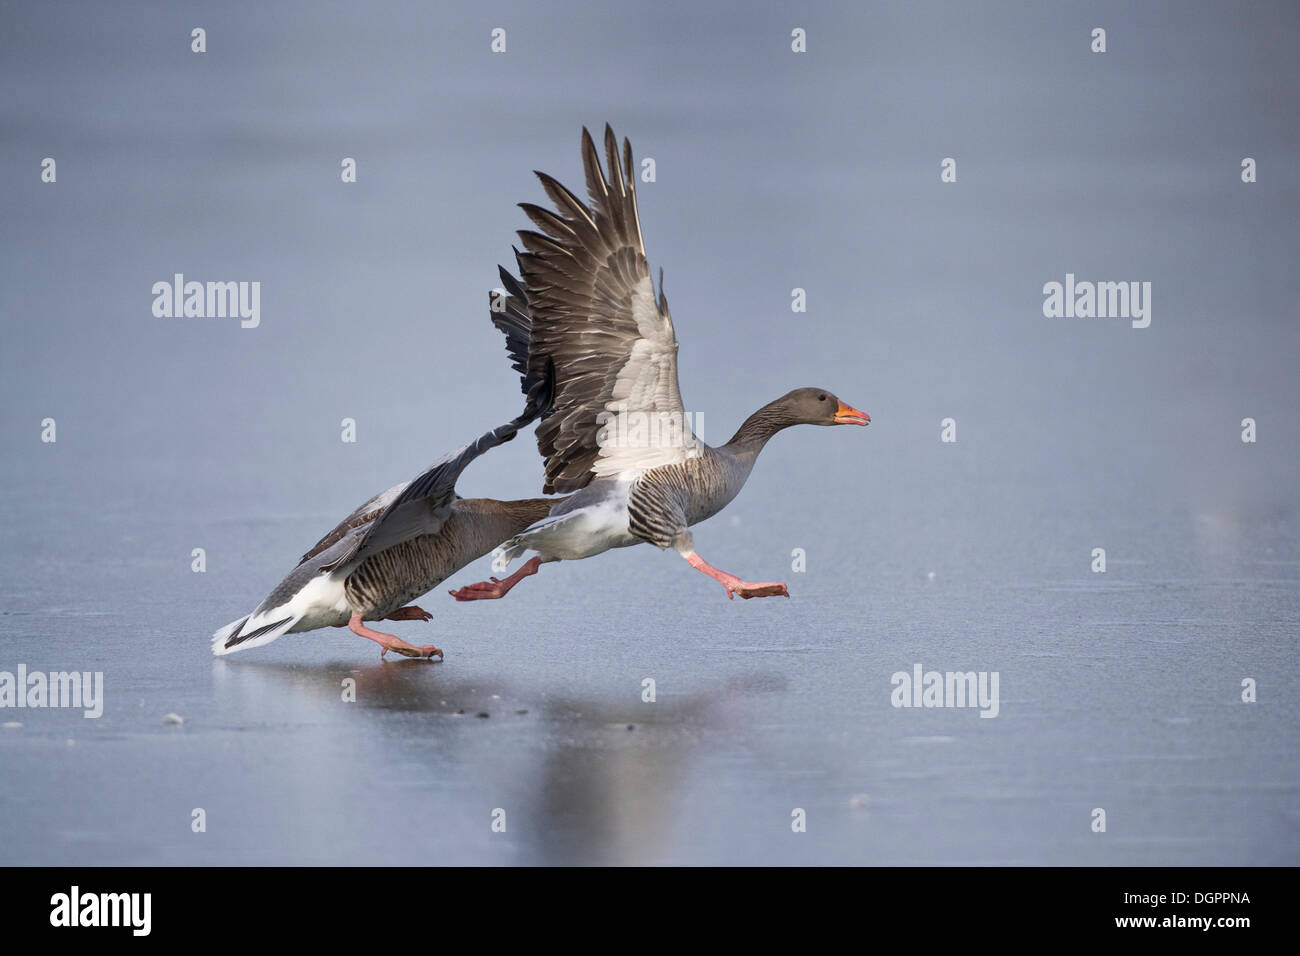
x,y
417,508
617,407
359,519
420,506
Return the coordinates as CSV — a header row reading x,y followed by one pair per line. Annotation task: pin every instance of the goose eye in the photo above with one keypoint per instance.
x,y
821,398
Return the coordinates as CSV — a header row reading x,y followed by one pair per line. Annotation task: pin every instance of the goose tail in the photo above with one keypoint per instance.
x,y
506,552
562,537
253,630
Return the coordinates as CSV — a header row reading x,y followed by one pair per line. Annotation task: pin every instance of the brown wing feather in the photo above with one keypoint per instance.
x,y
583,272
365,514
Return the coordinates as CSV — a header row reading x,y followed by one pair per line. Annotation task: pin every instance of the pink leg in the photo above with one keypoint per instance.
x,y
390,643
493,588
410,613
732,583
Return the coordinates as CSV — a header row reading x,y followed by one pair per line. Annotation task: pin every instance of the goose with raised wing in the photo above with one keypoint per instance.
x,y
403,542
617,435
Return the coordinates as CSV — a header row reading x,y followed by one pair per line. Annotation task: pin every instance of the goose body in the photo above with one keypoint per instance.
x,y
387,581
323,591
608,341
401,543
620,512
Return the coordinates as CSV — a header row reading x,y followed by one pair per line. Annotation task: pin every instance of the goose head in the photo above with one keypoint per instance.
x,y
818,406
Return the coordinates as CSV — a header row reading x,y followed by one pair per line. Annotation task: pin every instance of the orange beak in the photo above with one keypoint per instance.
x,y
848,415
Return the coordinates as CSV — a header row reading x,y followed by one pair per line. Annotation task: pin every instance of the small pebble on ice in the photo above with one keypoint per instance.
x,y
859,801
173,719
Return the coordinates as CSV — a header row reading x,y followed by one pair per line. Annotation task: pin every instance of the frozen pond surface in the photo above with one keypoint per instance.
x,y
1119,691
1120,694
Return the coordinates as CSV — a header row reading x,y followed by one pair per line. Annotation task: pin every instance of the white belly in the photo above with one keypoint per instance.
x,y
322,602
582,531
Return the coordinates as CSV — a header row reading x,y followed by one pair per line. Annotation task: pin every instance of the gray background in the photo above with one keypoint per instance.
x,y
775,170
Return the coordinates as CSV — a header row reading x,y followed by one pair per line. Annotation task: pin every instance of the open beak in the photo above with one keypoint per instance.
x,y
848,415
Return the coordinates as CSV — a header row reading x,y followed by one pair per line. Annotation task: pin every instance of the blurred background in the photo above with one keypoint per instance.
x,y
775,170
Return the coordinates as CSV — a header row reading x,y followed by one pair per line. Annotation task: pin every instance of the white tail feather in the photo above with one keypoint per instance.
x,y
318,603
281,617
